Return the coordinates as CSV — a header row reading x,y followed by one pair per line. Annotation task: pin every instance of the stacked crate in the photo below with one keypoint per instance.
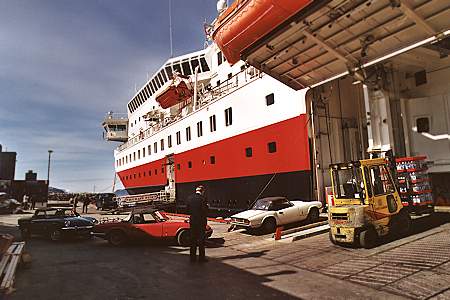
x,y
414,182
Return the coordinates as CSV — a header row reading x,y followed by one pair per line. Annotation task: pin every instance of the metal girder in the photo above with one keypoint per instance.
x,y
330,48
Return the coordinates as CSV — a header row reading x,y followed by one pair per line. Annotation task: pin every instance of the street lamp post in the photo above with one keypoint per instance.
x,y
48,167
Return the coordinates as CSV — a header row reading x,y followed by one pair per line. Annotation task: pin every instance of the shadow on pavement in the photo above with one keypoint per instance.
x,y
95,270
246,255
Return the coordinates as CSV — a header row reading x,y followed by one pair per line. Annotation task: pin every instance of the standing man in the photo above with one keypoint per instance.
x,y
33,201
86,202
25,201
197,208
75,202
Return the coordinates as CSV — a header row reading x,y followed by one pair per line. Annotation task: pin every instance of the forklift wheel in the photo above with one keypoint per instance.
x,y
401,224
330,235
368,238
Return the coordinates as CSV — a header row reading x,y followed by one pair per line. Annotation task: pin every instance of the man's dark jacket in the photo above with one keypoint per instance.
x,y
197,209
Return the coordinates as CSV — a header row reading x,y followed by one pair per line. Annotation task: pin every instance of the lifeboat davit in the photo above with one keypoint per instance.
x,y
179,90
246,21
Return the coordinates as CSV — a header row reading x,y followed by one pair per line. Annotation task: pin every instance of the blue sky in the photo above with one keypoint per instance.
x,y
65,63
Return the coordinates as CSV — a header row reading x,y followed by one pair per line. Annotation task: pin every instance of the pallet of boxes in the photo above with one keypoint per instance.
x,y
11,254
415,184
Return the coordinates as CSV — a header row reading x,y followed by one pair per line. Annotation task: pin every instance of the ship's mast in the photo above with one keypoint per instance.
x,y
170,28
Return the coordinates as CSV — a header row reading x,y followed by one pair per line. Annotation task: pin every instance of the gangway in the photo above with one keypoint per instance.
x,y
158,200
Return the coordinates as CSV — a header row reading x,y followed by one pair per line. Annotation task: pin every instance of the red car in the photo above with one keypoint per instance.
x,y
139,225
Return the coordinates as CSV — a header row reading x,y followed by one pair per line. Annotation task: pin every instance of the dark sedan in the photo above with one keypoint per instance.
x,y
56,223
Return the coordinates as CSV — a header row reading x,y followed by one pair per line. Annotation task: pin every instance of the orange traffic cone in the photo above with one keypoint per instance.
x,y
278,232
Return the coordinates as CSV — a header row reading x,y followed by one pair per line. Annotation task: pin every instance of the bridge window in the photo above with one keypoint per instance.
x,y
139,154
134,156
161,80
143,152
169,72
169,141
177,68
195,63
186,68
155,147
163,74
162,144
149,149
204,64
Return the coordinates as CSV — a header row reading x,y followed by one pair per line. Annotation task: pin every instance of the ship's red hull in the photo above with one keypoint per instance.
x,y
232,168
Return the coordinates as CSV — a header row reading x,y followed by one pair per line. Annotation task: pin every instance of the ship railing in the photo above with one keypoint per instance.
x,y
230,85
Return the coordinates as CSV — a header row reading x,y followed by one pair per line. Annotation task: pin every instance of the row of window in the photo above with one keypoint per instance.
x,y
185,67
271,148
148,150
270,100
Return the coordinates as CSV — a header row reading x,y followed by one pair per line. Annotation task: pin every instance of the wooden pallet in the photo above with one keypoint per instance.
x,y
8,265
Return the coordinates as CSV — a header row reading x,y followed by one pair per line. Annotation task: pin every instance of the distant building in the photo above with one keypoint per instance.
x,y
31,186
7,165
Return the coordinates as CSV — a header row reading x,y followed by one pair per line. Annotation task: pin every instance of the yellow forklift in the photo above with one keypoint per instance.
x,y
366,203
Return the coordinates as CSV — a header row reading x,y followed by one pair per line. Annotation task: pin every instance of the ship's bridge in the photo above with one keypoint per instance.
x,y
185,65
116,127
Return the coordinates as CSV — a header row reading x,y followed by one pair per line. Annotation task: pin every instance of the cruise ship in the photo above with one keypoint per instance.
x,y
200,120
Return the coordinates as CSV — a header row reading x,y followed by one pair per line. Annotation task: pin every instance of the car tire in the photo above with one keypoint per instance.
x,y
368,238
55,235
313,215
269,225
25,233
117,238
184,238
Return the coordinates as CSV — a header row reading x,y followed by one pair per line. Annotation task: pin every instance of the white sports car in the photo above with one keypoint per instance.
x,y
268,213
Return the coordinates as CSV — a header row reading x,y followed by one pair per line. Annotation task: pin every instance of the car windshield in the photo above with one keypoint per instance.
x,y
261,204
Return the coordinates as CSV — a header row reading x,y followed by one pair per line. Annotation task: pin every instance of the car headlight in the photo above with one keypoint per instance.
x,y
66,223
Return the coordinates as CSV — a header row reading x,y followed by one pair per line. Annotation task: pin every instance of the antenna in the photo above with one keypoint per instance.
x,y
170,28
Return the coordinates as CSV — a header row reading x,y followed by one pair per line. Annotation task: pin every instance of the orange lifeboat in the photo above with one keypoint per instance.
x,y
246,21
179,90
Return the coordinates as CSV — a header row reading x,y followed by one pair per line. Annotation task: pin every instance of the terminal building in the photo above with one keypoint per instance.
x,y
377,75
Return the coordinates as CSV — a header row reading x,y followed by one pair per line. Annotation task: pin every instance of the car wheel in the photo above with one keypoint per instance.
x,y
269,225
313,215
117,238
25,233
184,238
368,238
55,235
